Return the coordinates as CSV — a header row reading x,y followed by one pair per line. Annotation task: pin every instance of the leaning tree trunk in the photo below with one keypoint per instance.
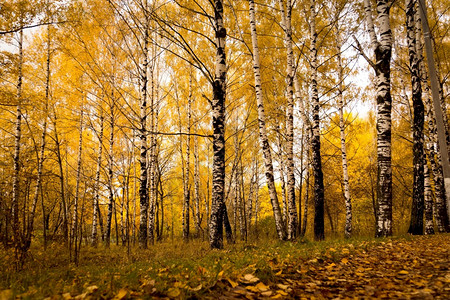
x,y
286,24
218,106
264,141
319,228
96,212
382,68
417,210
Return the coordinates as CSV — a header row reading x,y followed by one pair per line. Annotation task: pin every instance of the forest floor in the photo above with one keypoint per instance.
x,y
408,267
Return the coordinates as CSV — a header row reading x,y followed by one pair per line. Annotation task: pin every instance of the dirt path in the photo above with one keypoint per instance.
x,y
400,269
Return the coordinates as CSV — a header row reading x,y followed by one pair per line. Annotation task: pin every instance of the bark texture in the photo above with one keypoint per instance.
x,y
417,209
218,106
382,68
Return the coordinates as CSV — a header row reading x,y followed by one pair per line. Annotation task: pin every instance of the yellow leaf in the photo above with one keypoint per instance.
x,y
197,288
220,274
252,288
262,287
344,261
173,292
278,273
267,293
332,250
122,294
233,283
403,272
277,296
283,293
283,286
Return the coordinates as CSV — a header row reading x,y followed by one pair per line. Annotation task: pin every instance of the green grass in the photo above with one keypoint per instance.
x,y
181,265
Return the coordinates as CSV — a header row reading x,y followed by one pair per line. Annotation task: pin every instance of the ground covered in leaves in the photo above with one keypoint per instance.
x,y
409,267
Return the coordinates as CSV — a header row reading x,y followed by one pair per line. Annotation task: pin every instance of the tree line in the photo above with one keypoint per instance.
x,y
137,121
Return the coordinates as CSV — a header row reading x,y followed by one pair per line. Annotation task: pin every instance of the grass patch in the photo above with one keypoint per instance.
x,y
163,267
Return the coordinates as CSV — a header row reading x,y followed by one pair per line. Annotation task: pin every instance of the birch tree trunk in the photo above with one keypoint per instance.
x,y
429,224
95,213
16,159
187,188
143,193
153,159
345,184
383,52
111,204
74,235
265,147
438,209
417,210
197,188
218,106
319,227
286,24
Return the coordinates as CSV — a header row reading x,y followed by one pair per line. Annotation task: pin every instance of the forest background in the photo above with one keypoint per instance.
x,y
107,106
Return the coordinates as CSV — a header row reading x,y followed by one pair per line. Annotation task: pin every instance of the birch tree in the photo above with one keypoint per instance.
x,y
218,108
287,28
264,141
417,210
382,47
319,226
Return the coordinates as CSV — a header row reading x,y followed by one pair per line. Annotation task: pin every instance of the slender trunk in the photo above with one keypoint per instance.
x,y
283,183
187,188
319,228
218,208
143,193
197,188
286,24
345,183
417,209
40,156
265,147
153,159
74,230
17,139
65,227
97,183
110,178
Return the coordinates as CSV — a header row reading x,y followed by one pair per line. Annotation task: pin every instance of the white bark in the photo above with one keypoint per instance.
x,y
281,231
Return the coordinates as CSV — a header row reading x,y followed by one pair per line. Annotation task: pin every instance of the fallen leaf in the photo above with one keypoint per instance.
x,y
344,261
122,294
262,287
267,293
173,292
403,272
233,283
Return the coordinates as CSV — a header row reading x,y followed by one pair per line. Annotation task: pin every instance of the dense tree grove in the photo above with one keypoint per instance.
x,y
135,121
